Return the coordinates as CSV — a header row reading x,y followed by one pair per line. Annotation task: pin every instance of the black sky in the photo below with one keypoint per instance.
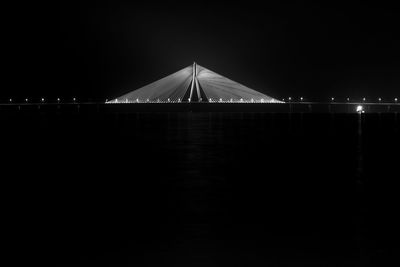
x,y
101,50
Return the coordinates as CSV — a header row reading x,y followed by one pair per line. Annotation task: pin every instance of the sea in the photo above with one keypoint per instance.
x,y
203,188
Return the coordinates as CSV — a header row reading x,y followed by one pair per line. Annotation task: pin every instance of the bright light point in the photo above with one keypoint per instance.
x,y
348,99
359,109
333,98
220,100
380,99
58,99
10,99
301,98
395,99
241,99
73,99
42,99
364,99
290,98
26,99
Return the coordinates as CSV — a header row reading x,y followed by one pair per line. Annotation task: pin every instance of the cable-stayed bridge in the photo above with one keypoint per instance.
x,y
195,84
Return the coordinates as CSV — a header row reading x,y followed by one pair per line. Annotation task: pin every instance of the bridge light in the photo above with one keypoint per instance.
x,y
74,99
333,99
289,98
348,99
10,99
301,98
26,100
364,99
42,99
360,109
395,99
58,99
380,99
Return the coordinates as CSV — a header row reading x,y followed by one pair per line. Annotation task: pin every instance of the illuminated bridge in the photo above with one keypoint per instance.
x,y
194,84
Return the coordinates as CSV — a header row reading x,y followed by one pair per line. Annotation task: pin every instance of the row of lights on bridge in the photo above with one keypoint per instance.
x,y
347,99
42,100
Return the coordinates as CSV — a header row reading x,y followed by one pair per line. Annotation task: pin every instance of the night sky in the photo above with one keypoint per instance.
x,y
98,50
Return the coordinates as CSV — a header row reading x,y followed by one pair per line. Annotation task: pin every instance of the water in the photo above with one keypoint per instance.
x,y
205,189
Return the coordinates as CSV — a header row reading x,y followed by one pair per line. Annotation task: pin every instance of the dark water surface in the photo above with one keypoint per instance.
x,y
205,189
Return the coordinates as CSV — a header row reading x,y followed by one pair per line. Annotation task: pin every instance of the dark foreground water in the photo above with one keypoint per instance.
x,y
203,189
